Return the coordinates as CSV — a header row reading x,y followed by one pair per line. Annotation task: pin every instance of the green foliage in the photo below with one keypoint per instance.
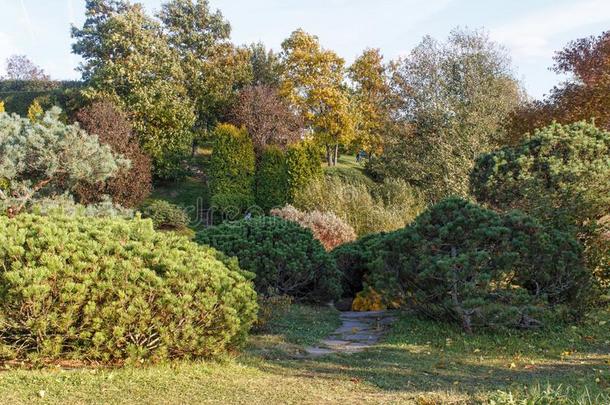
x,y
232,163
285,257
355,260
271,179
49,158
303,165
128,60
561,175
454,98
115,290
165,215
368,207
465,263
231,206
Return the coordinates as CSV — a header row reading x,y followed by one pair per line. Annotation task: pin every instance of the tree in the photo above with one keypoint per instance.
x,y
266,65
583,96
1,106
131,186
214,68
561,175
267,117
19,67
453,98
312,80
127,60
372,95
48,159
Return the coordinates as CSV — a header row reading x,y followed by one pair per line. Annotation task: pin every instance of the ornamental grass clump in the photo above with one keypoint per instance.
x,y
115,291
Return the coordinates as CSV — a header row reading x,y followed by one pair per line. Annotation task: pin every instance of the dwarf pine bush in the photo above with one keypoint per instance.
x,y
285,257
115,290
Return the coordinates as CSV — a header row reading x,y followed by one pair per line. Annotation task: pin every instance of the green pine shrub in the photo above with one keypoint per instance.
x,y
271,179
285,257
165,215
114,290
560,175
232,206
232,164
355,260
303,165
461,262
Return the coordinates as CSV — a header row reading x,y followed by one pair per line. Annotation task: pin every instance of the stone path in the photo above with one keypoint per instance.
x,y
358,331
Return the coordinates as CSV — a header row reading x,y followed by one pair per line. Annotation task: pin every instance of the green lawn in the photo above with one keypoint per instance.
x,y
420,362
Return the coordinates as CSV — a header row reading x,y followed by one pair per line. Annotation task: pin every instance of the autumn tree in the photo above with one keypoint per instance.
x,y
372,98
128,60
583,96
267,117
130,186
19,67
312,80
453,98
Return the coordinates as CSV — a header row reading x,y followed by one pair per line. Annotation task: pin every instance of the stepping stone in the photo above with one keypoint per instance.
x,y
318,351
334,342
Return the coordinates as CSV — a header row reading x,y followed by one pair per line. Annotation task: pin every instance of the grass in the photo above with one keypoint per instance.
x,y
420,362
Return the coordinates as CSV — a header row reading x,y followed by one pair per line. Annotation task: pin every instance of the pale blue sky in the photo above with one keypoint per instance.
x,y
530,29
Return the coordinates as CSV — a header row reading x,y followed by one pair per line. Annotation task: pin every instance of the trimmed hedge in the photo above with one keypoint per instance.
x,y
271,179
232,163
115,290
303,165
285,257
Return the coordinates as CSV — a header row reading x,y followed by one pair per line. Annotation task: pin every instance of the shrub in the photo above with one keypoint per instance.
x,y
462,262
232,163
165,215
382,207
49,158
325,226
115,290
355,260
561,175
130,187
303,165
231,206
285,257
271,179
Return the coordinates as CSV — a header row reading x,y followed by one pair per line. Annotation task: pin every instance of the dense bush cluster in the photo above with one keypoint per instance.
x,y
459,261
325,226
115,290
48,158
130,186
303,165
367,207
561,175
285,257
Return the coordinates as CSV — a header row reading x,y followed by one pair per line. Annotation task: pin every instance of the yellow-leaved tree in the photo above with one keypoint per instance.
x,y
312,80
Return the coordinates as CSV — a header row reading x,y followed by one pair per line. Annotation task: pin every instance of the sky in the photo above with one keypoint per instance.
x,y
531,30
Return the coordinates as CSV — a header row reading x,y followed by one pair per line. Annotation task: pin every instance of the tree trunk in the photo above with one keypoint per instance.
x,y
336,154
329,159
465,315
